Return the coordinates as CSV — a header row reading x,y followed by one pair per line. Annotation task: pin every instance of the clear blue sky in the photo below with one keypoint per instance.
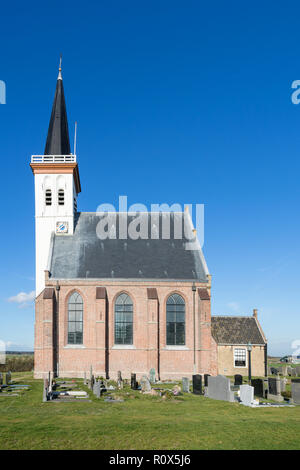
x,y
186,102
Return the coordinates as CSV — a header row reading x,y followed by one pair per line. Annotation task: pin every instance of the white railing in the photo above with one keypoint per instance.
x,y
53,158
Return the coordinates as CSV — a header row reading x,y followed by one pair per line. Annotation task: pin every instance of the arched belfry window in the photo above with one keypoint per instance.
x,y
61,197
123,319
48,197
175,320
75,319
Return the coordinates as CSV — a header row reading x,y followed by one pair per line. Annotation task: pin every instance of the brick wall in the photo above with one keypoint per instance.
x,y
149,347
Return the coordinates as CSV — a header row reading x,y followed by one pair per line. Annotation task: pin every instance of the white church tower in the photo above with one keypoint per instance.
x,y
57,185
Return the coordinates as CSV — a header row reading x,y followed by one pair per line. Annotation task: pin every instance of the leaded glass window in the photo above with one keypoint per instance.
x,y
75,319
175,320
240,357
123,320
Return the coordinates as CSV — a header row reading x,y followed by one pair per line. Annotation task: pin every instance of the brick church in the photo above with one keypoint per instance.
x,y
121,303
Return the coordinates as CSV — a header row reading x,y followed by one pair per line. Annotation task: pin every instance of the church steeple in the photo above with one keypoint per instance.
x,y
58,142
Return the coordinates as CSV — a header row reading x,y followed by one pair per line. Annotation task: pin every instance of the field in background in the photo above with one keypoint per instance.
x,y
142,422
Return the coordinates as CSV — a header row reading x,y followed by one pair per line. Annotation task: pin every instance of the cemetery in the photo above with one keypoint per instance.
x,y
147,413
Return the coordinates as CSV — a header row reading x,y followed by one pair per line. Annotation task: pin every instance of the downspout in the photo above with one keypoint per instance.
x,y
158,342
266,360
56,333
194,326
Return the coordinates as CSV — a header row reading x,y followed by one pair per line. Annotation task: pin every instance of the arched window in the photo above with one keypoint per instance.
x,y
175,320
48,197
75,319
61,197
123,320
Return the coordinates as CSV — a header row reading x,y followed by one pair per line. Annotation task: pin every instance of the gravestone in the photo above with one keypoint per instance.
x,y
197,384
284,369
258,386
92,382
133,382
296,391
120,380
152,376
289,371
97,389
293,372
206,379
84,378
145,384
1,379
185,384
238,379
269,370
45,390
274,371
247,395
8,378
274,389
91,372
218,388
283,384
298,370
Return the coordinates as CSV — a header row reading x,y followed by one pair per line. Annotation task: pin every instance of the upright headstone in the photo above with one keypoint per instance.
x,y
152,376
8,378
145,384
45,390
275,389
283,384
298,370
258,386
293,372
197,384
185,384
91,372
97,389
219,388
92,382
133,382
247,395
206,379
120,380
84,378
296,391
238,379
284,370
1,378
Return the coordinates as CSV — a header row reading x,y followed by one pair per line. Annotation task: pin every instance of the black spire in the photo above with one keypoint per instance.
x,y
58,142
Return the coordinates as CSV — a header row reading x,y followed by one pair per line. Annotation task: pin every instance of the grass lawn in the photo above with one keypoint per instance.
x,y
141,422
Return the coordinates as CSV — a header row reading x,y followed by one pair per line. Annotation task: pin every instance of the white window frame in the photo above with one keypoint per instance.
x,y
240,367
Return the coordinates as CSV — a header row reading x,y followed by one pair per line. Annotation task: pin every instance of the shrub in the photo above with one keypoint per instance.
x,y
18,363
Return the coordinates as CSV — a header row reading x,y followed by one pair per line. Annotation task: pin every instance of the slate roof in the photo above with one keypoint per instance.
x,y
235,330
84,256
58,142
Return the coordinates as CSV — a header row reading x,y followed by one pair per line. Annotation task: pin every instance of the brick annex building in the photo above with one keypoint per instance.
x,y
120,303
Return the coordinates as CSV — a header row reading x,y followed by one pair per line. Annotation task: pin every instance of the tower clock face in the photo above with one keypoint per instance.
x,y
62,227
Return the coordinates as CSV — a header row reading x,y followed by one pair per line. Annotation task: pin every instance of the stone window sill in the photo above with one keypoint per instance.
x,y
123,346
74,346
176,348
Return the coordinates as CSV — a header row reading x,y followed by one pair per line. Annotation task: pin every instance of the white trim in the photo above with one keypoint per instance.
x,y
53,158
175,348
74,346
246,362
123,346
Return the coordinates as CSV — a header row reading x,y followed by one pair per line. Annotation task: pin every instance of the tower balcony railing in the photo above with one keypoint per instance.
x,y
53,158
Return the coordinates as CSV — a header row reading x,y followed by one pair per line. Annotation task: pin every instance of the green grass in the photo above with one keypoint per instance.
x,y
142,422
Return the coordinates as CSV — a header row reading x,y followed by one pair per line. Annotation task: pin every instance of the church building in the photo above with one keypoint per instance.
x,y
118,303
